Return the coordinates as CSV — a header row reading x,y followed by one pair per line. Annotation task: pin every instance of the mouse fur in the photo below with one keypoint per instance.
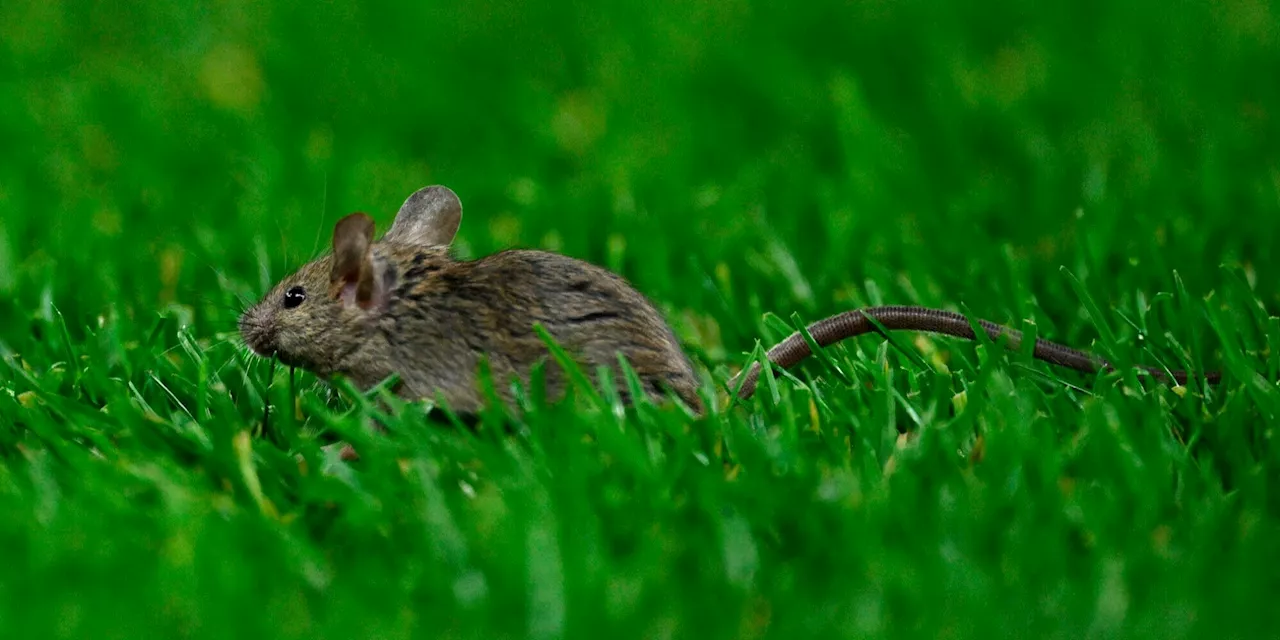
x,y
405,305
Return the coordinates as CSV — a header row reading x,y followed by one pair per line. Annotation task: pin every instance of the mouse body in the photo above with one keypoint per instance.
x,y
404,305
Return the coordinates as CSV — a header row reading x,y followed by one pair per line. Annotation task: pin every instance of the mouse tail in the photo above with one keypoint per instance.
x,y
849,324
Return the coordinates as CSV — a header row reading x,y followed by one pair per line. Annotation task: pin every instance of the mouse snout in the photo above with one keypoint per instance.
x,y
258,331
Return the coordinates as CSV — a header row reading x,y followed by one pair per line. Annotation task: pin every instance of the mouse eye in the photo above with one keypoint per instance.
x,y
294,297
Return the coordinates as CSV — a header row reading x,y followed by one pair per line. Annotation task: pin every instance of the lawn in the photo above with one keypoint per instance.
x,y
1102,173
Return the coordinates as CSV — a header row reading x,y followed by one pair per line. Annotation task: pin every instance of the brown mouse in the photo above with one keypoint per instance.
x,y
403,305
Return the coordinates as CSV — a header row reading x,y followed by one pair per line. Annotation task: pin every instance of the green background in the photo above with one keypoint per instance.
x,y
1102,172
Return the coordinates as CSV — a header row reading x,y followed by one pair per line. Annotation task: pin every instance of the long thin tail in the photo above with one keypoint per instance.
x,y
791,351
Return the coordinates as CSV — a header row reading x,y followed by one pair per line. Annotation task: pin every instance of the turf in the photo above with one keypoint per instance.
x,y
1101,173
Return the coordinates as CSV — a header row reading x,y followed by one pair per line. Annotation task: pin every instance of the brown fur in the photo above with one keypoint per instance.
x,y
405,306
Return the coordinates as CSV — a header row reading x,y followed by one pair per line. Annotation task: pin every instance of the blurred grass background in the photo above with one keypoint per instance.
x,y
164,162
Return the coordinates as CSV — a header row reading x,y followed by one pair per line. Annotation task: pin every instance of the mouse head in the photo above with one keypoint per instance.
x,y
321,316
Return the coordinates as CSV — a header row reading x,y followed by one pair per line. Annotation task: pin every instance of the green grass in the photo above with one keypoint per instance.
x,y
1104,174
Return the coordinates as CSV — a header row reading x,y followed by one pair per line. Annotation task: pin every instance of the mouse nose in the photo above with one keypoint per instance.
x,y
257,332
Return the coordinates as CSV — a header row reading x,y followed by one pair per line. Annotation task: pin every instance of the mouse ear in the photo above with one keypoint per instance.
x,y
352,274
429,217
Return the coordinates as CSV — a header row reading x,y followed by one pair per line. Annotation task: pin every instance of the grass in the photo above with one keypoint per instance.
x,y
1102,174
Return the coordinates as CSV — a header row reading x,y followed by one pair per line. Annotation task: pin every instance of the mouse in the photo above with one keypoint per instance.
x,y
403,305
